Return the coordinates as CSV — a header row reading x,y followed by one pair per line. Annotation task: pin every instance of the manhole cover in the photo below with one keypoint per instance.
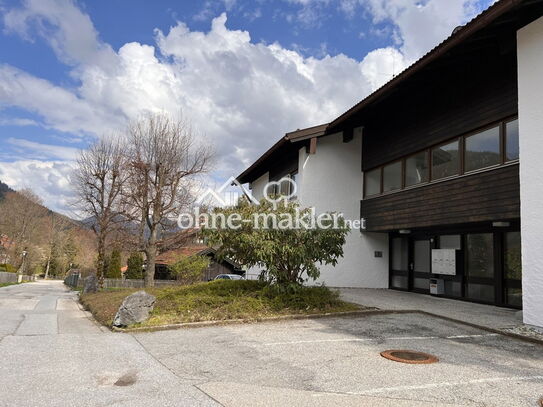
x,y
409,356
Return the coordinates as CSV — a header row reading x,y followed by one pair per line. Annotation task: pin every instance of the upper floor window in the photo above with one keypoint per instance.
x,y
392,176
493,146
372,182
511,140
482,149
416,169
445,160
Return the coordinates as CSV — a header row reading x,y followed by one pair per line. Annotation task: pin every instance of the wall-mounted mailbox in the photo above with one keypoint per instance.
x,y
444,261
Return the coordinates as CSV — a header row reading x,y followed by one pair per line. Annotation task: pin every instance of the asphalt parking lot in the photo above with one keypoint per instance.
x,y
336,361
53,354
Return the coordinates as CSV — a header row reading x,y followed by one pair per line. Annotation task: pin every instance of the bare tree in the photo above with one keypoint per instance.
x,y
55,227
20,215
99,178
165,161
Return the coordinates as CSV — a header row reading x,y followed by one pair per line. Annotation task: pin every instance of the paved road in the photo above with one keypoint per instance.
x,y
54,355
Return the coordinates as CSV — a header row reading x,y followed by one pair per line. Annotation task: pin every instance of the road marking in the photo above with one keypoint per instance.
x,y
396,338
446,384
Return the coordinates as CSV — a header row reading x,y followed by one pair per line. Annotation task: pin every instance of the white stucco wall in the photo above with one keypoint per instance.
x,y
257,190
257,186
331,180
530,89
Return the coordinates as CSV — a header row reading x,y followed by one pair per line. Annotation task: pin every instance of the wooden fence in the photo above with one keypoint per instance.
x,y
128,283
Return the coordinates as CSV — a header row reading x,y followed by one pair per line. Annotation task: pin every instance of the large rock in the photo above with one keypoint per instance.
x,y
91,284
135,308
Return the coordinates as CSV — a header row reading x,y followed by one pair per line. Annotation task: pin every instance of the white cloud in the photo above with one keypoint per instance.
x,y
39,151
242,95
49,180
68,31
419,25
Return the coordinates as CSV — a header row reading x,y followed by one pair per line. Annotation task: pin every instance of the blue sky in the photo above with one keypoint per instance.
x,y
243,72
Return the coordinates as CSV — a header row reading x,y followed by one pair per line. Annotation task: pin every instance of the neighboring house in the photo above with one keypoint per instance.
x,y
216,266
431,162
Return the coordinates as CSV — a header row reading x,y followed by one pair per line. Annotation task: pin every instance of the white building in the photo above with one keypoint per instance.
x,y
431,162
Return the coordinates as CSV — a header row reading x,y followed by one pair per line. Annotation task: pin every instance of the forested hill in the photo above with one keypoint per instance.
x,y
3,189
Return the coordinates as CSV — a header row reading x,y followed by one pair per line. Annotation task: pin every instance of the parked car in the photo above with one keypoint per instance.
x,y
229,277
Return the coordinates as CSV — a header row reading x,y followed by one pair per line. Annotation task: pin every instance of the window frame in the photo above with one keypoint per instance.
x,y
501,125
458,140
501,153
402,176
427,153
504,140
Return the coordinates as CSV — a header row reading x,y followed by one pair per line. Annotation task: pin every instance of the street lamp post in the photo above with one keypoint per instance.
x,y
21,270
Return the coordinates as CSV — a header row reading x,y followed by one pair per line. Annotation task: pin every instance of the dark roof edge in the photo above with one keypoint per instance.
x,y
300,134
282,141
478,22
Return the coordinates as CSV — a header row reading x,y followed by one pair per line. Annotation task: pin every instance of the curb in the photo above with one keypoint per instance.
x,y
360,313
200,324
485,328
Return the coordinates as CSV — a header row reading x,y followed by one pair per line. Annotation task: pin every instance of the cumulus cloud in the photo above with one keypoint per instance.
x,y
40,151
48,179
242,95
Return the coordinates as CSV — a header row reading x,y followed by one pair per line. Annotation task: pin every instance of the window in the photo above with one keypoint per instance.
x,y
445,160
511,141
480,253
483,149
513,263
372,182
416,169
286,188
392,177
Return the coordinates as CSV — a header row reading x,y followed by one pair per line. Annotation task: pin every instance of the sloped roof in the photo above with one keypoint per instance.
x,y
457,36
171,256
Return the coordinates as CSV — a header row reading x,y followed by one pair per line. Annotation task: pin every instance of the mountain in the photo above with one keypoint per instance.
x,y
4,189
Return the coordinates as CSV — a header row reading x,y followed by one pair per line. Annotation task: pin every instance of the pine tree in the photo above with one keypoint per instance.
x,y
114,267
135,266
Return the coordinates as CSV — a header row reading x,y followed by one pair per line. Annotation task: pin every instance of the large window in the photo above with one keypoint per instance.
x,y
480,254
392,177
416,169
511,140
482,149
372,184
445,160
485,149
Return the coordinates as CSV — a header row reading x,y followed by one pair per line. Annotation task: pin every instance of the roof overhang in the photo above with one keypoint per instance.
x,y
278,149
458,36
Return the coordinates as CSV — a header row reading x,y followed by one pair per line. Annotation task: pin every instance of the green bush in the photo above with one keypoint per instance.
x,y
190,269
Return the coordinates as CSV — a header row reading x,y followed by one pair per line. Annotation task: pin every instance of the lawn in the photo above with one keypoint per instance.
x,y
7,284
220,300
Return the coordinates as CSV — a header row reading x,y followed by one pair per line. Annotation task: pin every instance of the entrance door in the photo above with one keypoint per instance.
x,y
421,265
480,267
399,264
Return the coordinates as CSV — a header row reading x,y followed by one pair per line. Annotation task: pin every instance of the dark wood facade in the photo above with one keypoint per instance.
x,y
461,98
487,196
470,88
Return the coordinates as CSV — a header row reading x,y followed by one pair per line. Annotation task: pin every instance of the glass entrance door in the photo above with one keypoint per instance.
x,y
480,267
421,265
399,265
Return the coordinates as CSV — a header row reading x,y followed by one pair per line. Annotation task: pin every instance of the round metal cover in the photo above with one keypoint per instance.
x,y
409,356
